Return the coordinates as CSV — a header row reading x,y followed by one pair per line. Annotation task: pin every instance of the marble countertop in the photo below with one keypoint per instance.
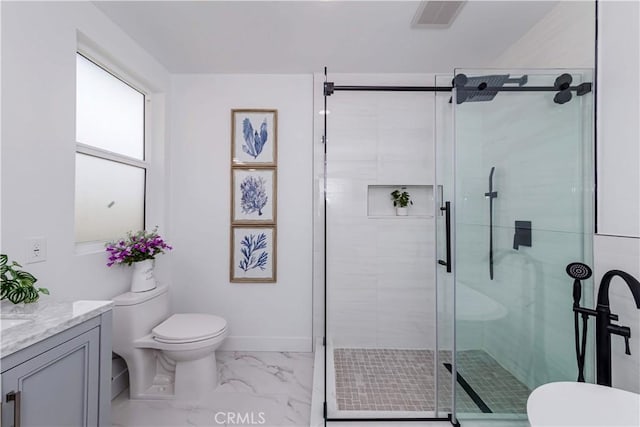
x,y
22,325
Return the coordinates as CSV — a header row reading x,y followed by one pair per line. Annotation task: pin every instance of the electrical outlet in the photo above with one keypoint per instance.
x,y
36,248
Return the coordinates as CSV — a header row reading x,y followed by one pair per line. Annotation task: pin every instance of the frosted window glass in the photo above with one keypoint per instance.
x,y
109,198
109,113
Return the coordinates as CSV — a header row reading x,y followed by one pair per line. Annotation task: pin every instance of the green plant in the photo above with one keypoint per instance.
x,y
17,285
401,199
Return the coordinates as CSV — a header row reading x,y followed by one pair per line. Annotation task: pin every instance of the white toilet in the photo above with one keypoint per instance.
x,y
168,356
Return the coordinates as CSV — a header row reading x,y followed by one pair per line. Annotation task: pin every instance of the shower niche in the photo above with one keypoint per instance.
x,y
380,202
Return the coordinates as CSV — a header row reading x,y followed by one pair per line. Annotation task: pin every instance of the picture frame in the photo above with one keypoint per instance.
x,y
254,137
253,195
253,254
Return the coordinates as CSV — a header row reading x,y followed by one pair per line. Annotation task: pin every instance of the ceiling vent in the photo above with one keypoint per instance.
x,y
436,14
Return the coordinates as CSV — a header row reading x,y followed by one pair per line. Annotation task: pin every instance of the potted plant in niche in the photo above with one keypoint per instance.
x,y
17,285
139,249
401,200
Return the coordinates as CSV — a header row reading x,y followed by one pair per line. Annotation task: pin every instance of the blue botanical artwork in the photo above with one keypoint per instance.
x,y
254,195
254,137
253,250
254,141
253,254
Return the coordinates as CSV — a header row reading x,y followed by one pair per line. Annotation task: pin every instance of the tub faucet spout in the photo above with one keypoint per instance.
x,y
604,327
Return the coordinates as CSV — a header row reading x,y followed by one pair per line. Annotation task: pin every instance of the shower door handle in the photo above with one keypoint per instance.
x,y
447,225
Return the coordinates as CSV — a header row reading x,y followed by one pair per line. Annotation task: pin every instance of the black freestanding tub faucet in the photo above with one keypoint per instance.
x,y
604,327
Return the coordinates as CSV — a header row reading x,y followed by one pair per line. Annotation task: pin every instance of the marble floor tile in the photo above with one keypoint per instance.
x,y
256,388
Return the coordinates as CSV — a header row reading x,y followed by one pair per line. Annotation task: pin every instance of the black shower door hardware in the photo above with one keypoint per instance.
x,y
447,222
491,195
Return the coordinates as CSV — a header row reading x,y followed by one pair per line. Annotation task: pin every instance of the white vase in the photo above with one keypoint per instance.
x,y
402,211
142,279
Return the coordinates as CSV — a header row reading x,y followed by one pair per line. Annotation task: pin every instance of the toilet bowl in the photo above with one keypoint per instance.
x,y
168,356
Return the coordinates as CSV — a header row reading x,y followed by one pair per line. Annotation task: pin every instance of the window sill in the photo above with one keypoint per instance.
x,y
90,248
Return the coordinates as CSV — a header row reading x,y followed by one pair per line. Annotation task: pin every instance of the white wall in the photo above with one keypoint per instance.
x,y
39,43
617,245
260,316
380,269
618,112
562,39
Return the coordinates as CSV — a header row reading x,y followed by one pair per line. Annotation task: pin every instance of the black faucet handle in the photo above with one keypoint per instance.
x,y
627,349
623,331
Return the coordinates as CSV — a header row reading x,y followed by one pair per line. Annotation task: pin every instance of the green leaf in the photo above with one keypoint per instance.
x,y
17,285
25,277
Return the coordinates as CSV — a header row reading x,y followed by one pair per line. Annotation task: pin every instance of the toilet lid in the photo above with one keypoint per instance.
x,y
189,327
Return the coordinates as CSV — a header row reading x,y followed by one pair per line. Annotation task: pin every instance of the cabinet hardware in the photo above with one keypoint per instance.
x,y
14,396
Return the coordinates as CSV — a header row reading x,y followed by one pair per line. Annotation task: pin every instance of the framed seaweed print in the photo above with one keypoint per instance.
x,y
253,196
254,137
253,254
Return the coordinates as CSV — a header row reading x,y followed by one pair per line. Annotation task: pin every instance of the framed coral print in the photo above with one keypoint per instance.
x,y
254,137
253,254
253,196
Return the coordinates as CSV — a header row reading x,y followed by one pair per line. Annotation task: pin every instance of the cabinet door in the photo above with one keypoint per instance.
x,y
58,387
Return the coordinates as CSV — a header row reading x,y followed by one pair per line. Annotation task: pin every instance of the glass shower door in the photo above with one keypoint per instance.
x,y
444,143
523,203
380,285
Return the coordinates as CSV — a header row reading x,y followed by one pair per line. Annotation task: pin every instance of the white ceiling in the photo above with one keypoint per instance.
x,y
304,36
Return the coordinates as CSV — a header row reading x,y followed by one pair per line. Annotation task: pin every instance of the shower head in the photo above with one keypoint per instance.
x,y
483,88
578,271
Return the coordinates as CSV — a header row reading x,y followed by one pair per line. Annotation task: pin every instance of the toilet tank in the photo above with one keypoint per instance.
x,y
136,313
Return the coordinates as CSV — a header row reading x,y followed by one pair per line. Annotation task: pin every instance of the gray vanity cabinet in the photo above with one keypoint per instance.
x,y
58,384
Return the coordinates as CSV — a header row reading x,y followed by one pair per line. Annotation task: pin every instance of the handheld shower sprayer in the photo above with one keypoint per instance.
x,y
579,271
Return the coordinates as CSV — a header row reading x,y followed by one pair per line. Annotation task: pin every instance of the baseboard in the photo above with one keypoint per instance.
x,y
244,343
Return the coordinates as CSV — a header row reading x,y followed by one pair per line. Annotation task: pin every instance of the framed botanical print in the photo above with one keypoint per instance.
x,y
253,196
254,137
253,254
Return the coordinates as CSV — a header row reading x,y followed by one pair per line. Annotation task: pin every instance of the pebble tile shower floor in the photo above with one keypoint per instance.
x,y
402,380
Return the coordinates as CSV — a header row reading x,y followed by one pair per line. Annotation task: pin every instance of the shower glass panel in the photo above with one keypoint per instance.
x,y
380,267
523,210
443,119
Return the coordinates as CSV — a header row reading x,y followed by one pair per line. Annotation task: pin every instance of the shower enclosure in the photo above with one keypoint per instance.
x,y
461,308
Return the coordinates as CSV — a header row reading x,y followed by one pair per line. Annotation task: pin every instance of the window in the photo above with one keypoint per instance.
x,y
110,154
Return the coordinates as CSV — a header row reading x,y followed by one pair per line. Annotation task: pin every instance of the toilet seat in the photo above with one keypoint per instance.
x,y
188,328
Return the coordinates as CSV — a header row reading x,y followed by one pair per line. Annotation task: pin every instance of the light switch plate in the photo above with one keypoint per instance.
x,y
36,250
